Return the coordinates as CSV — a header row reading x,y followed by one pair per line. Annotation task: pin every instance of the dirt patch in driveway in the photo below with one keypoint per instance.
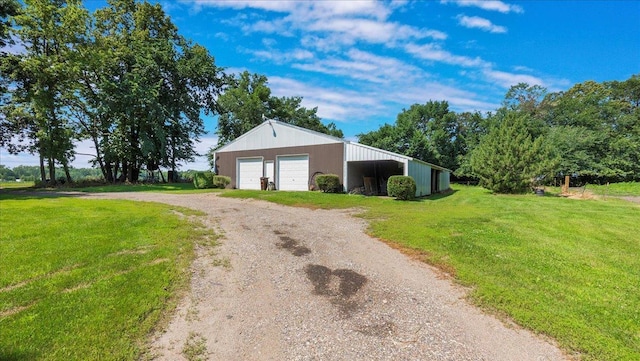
x,y
350,297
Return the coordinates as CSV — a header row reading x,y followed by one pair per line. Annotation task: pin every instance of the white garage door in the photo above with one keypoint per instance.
x,y
293,173
249,173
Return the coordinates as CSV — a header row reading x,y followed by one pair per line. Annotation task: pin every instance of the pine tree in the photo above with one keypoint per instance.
x,y
508,160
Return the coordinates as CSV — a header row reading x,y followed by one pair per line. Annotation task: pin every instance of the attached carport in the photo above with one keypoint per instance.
x,y
370,176
369,168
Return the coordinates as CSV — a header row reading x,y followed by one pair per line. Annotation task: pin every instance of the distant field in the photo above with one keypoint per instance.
x,y
157,187
87,279
16,185
562,267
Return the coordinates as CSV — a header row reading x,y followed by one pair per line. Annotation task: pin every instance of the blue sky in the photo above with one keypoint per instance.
x,y
361,62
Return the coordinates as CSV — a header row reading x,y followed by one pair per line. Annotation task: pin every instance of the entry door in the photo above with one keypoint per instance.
x,y
293,173
269,170
249,173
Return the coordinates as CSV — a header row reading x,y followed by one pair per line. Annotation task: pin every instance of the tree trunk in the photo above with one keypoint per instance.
x,y
43,174
52,170
116,167
105,169
65,165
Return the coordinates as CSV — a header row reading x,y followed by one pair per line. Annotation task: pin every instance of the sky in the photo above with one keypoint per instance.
x,y
362,62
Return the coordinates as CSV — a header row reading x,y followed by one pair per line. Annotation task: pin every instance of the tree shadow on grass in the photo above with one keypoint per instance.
x,y
435,197
8,355
22,194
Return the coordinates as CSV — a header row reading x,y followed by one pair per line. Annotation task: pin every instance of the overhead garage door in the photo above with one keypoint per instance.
x,y
293,173
249,173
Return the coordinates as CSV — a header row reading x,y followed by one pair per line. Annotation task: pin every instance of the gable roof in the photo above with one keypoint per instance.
x,y
275,134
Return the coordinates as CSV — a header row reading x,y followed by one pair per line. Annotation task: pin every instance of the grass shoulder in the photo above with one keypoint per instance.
x,y
88,279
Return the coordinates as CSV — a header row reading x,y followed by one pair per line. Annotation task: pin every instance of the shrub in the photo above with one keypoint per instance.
x,y
402,187
221,181
329,183
202,180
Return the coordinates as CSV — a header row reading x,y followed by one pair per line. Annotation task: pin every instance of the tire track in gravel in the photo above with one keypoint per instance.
x,y
311,285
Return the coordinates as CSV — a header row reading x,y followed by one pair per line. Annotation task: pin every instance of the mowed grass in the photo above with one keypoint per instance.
x,y
108,188
157,187
16,185
87,279
566,268
616,189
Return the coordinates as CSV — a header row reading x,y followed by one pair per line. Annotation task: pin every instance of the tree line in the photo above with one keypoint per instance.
x,y
32,173
125,79
590,132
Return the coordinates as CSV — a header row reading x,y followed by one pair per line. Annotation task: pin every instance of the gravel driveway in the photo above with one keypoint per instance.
x,y
299,284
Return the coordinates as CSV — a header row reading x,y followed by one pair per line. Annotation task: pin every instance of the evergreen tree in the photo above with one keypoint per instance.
x,y
508,160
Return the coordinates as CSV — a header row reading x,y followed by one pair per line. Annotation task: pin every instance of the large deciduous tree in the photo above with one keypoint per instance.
x,y
290,110
429,132
247,102
8,8
243,105
142,89
122,77
42,77
595,128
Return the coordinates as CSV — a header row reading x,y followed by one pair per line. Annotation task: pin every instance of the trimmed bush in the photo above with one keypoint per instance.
x,y
221,181
329,183
202,180
402,187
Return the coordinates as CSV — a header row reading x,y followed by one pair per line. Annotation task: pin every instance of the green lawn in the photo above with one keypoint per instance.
x,y
157,187
616,189
16,185
87,279
566,268
82,279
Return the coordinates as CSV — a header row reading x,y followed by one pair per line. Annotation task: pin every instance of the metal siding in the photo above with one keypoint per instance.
x,y
444,181
326,158
421,173
274,134
358,152
293,173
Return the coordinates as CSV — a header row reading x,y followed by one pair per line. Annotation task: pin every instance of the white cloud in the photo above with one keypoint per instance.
x,y
522,68
506,79
352,20
14,160
278,57
434,52
423,91
334,104
365,66
488,5
476,22
201,147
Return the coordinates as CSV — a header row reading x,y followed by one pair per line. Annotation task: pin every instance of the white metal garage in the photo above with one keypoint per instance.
x,y
249,173
293,173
